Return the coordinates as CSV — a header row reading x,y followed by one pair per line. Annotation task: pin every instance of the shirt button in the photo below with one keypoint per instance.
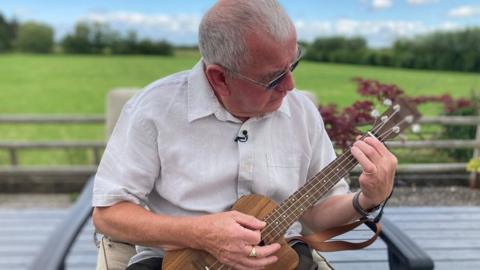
x,y
246,167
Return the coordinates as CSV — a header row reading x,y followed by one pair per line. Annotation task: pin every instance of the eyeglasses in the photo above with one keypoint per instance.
x,y
278,79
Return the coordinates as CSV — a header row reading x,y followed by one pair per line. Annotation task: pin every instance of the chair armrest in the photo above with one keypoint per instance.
x,y
54,251
403,252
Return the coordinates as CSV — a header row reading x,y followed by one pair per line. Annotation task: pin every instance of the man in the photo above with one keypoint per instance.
x,y
189,145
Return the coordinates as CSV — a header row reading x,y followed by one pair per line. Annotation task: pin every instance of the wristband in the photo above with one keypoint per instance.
x,y
358,208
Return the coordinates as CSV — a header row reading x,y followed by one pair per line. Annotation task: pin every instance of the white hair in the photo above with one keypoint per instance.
x,y
223,29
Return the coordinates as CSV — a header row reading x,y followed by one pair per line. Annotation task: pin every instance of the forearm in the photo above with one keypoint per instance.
x,y
131,223
335,211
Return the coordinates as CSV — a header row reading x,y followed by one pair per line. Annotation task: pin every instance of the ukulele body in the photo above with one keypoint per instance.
x,y
255,205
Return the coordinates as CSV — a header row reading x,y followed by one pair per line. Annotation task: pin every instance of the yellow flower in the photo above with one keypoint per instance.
x,y
473,165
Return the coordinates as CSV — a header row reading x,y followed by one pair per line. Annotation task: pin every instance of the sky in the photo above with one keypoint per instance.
x,y
380,22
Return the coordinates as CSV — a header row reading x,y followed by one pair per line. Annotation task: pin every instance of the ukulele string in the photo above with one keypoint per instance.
x,y
350,160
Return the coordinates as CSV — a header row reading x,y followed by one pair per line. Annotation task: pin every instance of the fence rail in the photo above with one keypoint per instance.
x,y
47,171
100,119
52,119
12,147
438,144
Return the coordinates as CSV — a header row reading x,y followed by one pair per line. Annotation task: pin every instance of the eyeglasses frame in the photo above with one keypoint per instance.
x,y
278,79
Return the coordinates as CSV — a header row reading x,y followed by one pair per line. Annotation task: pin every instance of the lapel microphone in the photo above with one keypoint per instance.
x,y
243,138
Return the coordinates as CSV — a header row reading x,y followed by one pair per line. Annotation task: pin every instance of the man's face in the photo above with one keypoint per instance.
x,y
268,60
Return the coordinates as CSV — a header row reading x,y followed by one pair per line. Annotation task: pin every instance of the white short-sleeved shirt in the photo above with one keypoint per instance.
x,y
173,151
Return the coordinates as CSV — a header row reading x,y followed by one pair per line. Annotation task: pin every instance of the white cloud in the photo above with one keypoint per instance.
x,y
22,11
421,2
182,28
377,33
381,4
450,26
464,11
164,22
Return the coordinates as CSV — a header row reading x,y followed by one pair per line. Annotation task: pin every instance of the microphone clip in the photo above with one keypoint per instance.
x,y
243,138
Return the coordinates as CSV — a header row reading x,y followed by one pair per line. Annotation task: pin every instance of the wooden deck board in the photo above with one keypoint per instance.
x,y
451,235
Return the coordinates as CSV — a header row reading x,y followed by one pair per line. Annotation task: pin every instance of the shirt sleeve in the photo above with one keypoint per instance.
x,y
322,154
130,164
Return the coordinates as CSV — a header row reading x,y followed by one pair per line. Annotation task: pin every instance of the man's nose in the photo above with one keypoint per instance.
x,y
287,84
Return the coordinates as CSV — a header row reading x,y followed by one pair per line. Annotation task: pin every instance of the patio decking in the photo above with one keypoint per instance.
x,y
450,235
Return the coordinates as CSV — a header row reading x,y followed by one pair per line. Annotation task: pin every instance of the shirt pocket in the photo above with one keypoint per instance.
x,y
285,174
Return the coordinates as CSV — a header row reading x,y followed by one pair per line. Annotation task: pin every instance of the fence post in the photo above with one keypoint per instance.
x,y
13,156
473,180
96,155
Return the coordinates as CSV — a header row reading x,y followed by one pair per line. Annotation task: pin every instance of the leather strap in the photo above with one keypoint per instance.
x,y
318,241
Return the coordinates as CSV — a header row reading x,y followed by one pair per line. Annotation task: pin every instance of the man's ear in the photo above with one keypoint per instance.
x,y
217,77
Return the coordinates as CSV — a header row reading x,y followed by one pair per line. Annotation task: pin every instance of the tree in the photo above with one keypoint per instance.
x,y
89,38
102,38
96,38
79,41
457,50
4,41
440,51
338,49
147,46
8,32
126,45
35,37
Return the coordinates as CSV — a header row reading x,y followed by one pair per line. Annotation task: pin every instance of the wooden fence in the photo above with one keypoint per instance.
x,y
96,147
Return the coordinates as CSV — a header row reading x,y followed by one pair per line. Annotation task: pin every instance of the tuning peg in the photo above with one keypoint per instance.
x,y
409,119
396,129
416,128
375,113
387,102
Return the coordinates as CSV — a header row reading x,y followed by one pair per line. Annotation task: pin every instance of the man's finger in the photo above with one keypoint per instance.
x,y
248,221
262,251
364,161
378,145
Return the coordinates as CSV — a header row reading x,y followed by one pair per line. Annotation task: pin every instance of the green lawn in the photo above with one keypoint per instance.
x,y
332,82
65,84
77,84
74,84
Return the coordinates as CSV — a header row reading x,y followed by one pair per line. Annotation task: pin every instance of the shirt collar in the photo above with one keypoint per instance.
x,y
285,108
202,101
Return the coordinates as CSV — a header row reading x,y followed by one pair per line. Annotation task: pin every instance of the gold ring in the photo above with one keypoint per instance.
x,y
253,253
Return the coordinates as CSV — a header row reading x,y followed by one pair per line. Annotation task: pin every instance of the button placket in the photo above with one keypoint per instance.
x,y
245,171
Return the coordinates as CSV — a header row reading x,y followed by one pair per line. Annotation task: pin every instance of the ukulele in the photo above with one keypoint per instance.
x,y
279,218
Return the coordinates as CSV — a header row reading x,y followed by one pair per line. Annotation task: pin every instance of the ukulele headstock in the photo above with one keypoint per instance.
x,y
400,115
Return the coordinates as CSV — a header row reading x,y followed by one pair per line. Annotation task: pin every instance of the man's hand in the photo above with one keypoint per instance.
x,y
379,166
230,237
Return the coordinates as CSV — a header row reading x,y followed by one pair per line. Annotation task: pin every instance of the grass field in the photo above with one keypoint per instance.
x,y
65,84
61,84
